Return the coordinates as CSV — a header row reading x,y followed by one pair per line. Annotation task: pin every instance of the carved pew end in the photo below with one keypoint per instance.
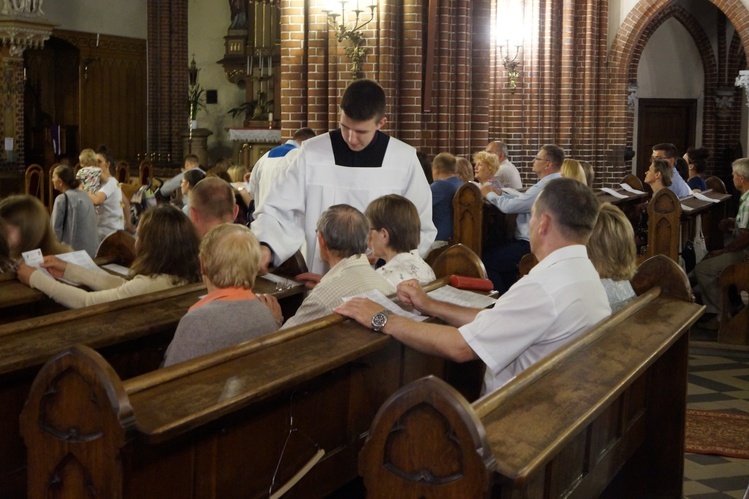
x,y
416,413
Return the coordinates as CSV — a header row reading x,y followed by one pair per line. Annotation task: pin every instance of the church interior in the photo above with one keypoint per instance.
x,y
154,81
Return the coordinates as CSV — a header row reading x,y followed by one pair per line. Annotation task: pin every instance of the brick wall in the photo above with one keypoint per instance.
x,y
167,78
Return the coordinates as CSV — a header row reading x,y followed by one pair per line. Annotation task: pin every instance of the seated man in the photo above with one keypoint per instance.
x,y
557,301
709,269
172,185
212,203
230,313
445,185
508,174
342,234
502,260
668,152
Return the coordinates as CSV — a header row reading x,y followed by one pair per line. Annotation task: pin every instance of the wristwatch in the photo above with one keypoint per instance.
x,y
379,320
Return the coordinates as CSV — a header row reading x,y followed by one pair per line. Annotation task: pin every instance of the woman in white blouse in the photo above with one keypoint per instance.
x,y
394,228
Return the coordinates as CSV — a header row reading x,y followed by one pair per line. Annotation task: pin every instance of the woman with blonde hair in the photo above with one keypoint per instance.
x,y
26,224
486,166
465,170
230,313
166,256
394,231
612,250
73,213
571,168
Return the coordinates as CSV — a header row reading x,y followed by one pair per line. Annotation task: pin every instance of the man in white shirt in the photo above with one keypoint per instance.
x,y
561,298
678,185
352,165
271,164
507,174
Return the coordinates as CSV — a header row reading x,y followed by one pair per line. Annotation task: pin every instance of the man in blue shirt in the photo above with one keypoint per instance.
x,y
446,183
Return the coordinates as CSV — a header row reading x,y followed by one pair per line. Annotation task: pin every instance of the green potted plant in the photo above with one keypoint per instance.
x,y
195,102
255,110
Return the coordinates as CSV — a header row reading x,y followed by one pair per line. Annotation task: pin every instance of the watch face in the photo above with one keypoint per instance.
x,y
379,321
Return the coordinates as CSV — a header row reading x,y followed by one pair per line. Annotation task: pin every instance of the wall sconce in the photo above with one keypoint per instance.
x,y
355,51
742,80
511,64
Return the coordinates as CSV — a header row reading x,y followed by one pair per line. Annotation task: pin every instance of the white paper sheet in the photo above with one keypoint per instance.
x,y
612,192
80,258
280,282
702,197
462,297
379,298
686,208
117,269
631,189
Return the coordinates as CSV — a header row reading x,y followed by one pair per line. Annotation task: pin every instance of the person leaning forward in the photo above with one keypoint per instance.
x,y
558,300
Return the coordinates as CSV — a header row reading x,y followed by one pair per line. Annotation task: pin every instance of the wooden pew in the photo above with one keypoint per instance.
x,y
734,317
468,217
217,425
601,417
664,225
132,334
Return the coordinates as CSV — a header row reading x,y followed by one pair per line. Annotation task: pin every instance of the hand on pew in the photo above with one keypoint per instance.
x,y
271,302
309,279
360,309
486,189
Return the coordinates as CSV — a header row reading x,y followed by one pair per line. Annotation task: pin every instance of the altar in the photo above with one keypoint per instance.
x,y
248,144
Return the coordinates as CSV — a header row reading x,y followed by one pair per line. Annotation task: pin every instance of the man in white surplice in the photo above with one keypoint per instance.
x,y
353,165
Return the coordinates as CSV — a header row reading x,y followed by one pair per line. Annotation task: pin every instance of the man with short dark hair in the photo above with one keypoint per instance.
x,y
508,174
502,260
445,185
354,164
561,298
170,186
678,184
212,203
342,234
272,163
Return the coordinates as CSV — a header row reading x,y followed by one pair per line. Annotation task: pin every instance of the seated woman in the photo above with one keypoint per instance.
x,y
571,168
696,165
189,180
659,176
486,166
166,256
394,236
611,248
73,214
230,313
26,224
465,170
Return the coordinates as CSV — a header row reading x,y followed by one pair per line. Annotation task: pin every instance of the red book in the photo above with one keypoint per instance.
x,y
473,283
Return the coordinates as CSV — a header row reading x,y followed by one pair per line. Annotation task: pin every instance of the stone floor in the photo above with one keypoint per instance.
x,y
718,380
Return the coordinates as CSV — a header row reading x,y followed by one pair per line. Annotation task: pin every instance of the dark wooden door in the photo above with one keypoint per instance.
x,y
664,120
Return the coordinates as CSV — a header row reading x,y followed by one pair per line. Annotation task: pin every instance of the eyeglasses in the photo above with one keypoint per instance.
x,y
539,159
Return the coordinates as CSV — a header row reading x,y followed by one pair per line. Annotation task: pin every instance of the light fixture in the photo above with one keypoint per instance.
x,y
352,32
192,72
511,64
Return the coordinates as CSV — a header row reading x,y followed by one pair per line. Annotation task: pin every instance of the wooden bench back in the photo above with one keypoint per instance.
x,y
468,217
664,225
216,424
607,407
734,316
460,260
34,182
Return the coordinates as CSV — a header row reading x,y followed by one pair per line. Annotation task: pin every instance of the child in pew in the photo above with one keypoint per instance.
x,y
26,224
230,313
166,255
394,230
612,250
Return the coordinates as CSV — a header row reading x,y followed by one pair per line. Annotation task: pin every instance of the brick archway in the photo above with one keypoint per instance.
x,y
634,31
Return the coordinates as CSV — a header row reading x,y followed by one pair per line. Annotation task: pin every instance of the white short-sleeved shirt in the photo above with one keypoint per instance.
x,y
405,266
558,300
110,217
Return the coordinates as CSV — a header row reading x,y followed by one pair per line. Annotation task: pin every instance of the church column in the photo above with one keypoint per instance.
x,y
19,29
